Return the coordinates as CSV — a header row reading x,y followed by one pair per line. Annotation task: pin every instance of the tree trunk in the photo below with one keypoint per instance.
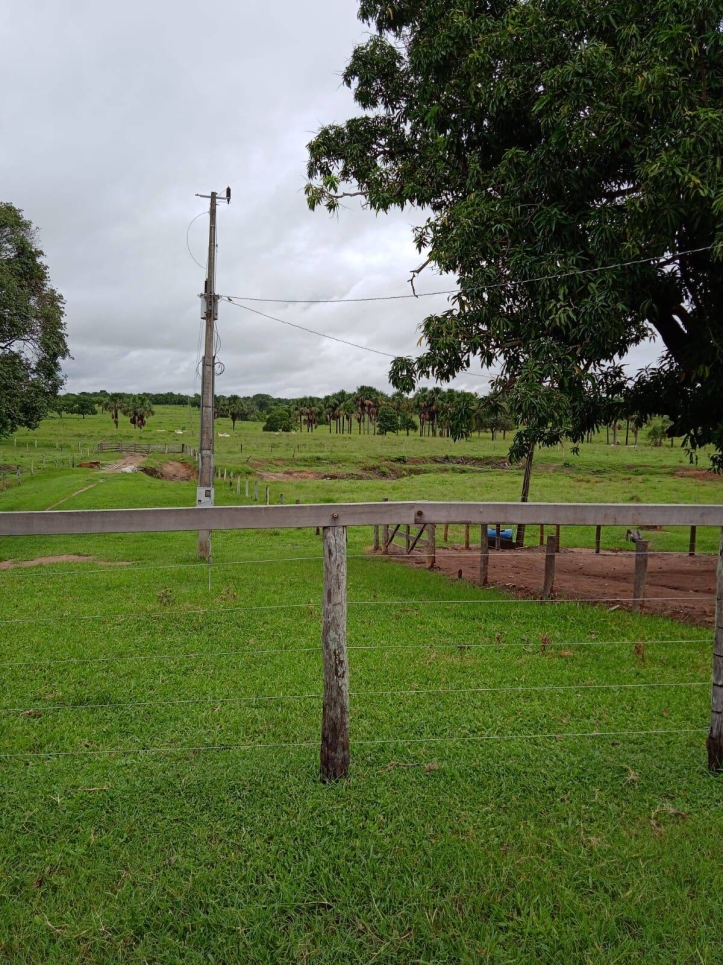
x,y
520,540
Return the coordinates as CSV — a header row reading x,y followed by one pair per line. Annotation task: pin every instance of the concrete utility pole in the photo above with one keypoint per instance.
x,y
204,492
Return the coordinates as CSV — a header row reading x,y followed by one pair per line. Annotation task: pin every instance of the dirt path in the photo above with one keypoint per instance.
x,y
65,558
66,498
678,586
126,464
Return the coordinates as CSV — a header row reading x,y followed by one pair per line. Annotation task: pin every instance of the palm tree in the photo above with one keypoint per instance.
x,y
113,404
138,409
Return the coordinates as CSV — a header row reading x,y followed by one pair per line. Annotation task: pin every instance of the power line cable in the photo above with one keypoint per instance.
x,y
458,291
188,245
333,338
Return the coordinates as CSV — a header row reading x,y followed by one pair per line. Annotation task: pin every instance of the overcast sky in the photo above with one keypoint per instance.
x,y
115,115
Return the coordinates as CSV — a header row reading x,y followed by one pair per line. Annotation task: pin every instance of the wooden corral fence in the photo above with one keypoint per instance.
x,y
141,447
417,518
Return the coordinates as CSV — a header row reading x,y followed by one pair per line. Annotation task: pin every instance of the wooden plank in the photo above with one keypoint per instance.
x,y
715,735
640,576
550,557
60,523
335,714
484,555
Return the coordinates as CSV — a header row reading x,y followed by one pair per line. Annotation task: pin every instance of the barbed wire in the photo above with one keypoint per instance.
x,y
414,692
141,614
172,749
460,645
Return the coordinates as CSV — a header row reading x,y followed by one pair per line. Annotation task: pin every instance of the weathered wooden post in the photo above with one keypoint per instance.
x,y
445,536
281,499
549,580
691,544
431,546
542,534
641,572
335,714
715,736
247,487
376,538
267,495
466,536
385,532
498,536
598,534
484,555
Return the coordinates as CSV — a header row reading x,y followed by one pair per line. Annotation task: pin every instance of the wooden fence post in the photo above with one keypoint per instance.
x,y
376,538
247,487
715,735
641,572
484,555
598,534
549,580
385,533
466,536
542,534
691,545
498,536
445,537
281,499
267,495
431,546
335,715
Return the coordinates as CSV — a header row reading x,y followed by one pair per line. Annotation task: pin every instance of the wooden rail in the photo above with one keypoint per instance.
x,y
334,519
70,522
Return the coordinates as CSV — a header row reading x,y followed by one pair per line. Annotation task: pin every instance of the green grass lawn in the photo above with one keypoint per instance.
x,y
464,833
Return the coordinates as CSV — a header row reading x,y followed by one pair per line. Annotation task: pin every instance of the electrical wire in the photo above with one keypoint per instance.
x,y
188,245
333,338
457,291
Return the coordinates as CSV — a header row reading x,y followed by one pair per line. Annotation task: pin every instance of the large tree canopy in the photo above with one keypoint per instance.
x,y
32,331
549,140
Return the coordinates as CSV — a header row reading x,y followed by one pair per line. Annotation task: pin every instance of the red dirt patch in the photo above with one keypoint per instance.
x,y
690,472
678,586
65,558
172,471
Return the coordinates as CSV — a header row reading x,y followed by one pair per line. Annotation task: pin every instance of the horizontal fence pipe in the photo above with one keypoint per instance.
x,y
351,514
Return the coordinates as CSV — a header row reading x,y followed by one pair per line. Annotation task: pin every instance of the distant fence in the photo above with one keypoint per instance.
x,y
423,517
141,447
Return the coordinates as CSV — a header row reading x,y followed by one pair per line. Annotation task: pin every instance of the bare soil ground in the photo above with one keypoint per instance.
x,y
65,558
172,471
678,586
132,459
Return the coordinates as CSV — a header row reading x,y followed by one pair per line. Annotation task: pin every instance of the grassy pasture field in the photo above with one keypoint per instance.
x,y
160,723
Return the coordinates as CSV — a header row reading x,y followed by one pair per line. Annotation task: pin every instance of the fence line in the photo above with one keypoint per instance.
x,y
435,691
334,519
429,647
63,617
171,749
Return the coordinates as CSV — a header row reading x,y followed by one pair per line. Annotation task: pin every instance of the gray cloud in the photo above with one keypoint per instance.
x,y
116,115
